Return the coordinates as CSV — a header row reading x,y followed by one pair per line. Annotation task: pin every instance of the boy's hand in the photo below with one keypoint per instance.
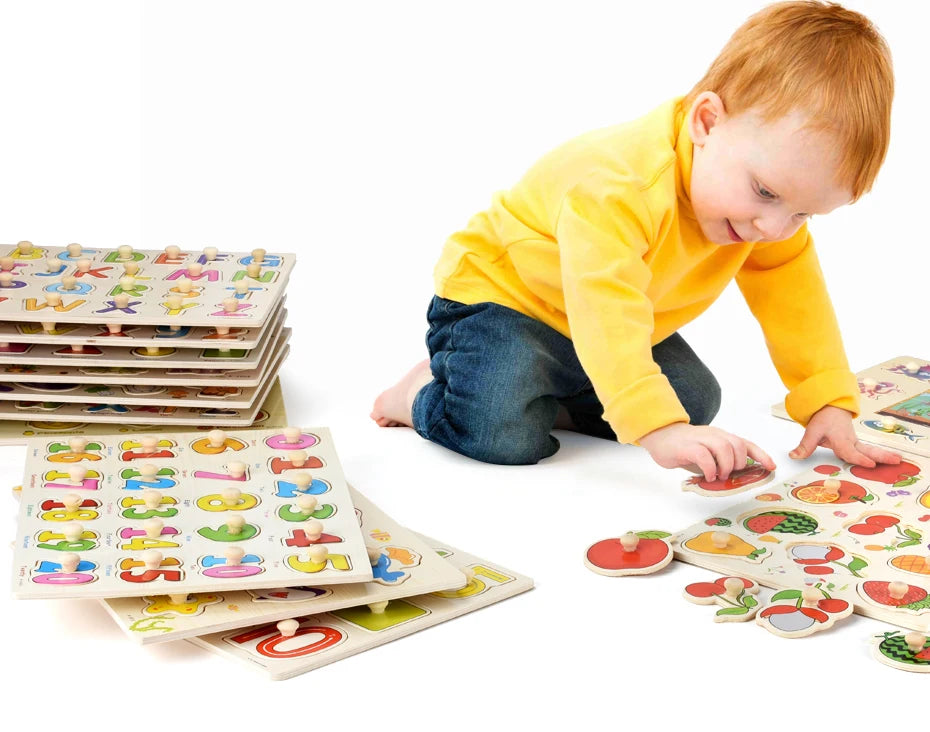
x,y
832,427
714,452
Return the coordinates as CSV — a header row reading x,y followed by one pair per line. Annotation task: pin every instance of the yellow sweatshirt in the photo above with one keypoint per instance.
x,y
599,241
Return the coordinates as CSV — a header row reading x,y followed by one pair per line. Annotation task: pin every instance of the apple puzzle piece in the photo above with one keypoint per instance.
x,y
799,613
908,652
744,479
733,594
643,552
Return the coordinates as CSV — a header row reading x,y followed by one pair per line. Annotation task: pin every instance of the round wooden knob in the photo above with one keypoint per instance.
x,y
378,608
832,484
302,481
253,270
231,496
69,282
897,590
151,498
179,599
306,503
298,458
25,247
318,553
148,472
174,302
234,524
77,444
291,435
69,562
77,473
131,268
121,301
288,628
151,558
74,250
258,255
84,265
216,438
184,285
53,264
149,444
230,305
209,253
629,541
915,641
233,555
313,529
124,251
720,539
236,469
173,252
52,299
733,586
72,531
71,501
194,269
811,595
153,527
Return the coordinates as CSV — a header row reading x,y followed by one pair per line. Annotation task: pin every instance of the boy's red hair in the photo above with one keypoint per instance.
x,y
818,58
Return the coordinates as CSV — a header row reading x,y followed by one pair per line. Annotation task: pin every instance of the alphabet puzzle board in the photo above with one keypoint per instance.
x,y
853,531
327,637
271,414
157,276
45,354
156,413
405,566
898,389
114,516
148,375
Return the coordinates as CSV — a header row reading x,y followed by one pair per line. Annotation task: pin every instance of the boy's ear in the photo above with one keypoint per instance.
x,y
706,111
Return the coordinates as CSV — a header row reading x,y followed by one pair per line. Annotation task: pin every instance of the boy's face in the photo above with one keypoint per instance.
x,y
754,181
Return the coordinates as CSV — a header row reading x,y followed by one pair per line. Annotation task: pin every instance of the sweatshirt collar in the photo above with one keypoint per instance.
x,y
684,150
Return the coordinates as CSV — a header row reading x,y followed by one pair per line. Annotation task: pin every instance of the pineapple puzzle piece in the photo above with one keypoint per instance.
x,y
735,595
907,652
643,552
799,613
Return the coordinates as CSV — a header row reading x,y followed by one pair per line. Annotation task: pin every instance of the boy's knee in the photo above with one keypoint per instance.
x,y
703,403
511,449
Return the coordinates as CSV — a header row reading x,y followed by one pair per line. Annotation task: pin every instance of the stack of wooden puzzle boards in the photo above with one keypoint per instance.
x,y
147,337
850,531
249,543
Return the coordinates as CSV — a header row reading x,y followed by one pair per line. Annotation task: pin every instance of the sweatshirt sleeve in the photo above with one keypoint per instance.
x,y
785,290
603,230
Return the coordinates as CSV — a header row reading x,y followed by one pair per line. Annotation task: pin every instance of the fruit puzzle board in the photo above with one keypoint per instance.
x,y
149,375
271,414
130,515
895,402
858,534
75,284
165,357
323,638
158,413
402,563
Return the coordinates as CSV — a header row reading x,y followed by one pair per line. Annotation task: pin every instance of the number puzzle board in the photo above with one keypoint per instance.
x,y
67,373
327,637
168,357
406,566
897,393
854,540
272,414
165,414
191,476
24,299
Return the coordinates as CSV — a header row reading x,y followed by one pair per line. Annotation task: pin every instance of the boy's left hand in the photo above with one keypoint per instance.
x,y
832,427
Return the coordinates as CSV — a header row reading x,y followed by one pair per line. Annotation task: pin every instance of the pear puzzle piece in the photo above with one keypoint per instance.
x,y
799,613
744,479
735,595
907,652
726,543
642,552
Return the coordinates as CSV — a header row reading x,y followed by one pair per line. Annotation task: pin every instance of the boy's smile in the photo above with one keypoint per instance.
x,y
756,181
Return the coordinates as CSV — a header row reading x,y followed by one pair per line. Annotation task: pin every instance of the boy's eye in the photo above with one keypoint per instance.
x,y
765,193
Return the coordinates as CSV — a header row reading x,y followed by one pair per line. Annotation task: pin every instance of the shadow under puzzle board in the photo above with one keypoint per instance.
x,y
324,638
852,530
898,389
147,375
271,414
119,355
38,274
406,566
216,414
192,513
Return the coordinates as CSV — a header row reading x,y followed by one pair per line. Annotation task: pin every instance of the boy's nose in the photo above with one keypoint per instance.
x,y
771,228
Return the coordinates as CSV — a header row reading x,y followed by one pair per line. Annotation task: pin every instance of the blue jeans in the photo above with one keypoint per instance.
x,y
499,377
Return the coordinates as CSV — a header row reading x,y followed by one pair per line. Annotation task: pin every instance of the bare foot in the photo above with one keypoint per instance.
x,y
393,407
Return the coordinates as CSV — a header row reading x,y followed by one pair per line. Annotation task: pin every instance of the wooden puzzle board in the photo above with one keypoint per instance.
x,y
24,299
45,354
327,637
894,386
873,529
271,414
218,415
191,476
146,376
406,566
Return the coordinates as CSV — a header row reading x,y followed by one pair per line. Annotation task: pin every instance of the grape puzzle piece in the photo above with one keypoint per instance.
x,y
634,553
77,284
295,646
403,565
799,613
155,514
861,533
736,597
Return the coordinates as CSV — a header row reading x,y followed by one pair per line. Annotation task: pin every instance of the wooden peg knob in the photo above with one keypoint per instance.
x,y
153,527
77,444
152,350
71,501
306,503
313,529
888,424
629,541
172,251
298,458
288,628
897,590
115,328
148,472
6,279
230,305
72,531
175,302
291,435
253,270
720,539
76,474
121,301
124,251
222,330
76,347
915,641
148,443
258,255
832,484
52,299
84,265
378,608
811,595
241,287
318,553
74,250
732,586
302,481
374,555
231,496
127,282
53,264
151,558
194,269
151,498
131,268
236,469
209,253
25,247
69,562
179,599
234,524
7,263
912,367
233,555
869,383
184,285
48,327
216,438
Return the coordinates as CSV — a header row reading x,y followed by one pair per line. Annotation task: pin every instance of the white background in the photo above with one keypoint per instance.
x,y
359,135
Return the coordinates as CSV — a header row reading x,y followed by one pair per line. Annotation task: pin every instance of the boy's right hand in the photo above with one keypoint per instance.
x,y
711,451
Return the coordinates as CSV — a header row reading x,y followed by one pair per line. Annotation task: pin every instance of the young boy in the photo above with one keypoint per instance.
x,y
559,305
